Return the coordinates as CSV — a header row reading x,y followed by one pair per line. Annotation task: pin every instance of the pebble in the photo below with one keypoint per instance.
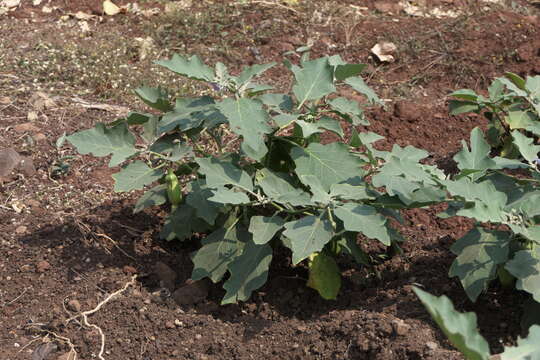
x,y
26,127
401,328
74,305
166,275
21,229
169,325
432,345
178,323
39,137
42,266
198,336
130,270
192,293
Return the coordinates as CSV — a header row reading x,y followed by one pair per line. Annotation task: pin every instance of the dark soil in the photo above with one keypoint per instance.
x,y
66,236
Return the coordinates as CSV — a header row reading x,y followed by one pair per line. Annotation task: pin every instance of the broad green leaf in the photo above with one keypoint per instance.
x,y
313,81
460,328
351,190
102,141
193,68
496,90
264,228
279,102
402,175
150,130
156,98
364,219
320,195
249,272
349,110
528,203
521,119
327,123
307,235
457,107
358,84
515,79
342,72
154,197
479,253
532,84
284,120
250,72
219,173
198,198
135,118
178,225
135,176
477,158
332,163
256,154
308,129
514,83
525,266
218,250
348,244
336,60
526,146
248,119
228,196
324,276
526,349
465,94
171,147
488,202
255,89
280,190
189,113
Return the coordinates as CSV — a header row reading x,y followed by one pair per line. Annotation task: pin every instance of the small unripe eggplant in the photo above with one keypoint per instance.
x,y
174,192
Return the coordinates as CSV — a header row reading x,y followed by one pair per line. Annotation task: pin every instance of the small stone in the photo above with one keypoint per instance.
x,y
136,293
166,275
26,166
4,100
9,160
42,266
387,7
74,305
130,270
39,137
67,356
178,323
192,293
32,203
26,127
169,325
401,328
432,345
21,230
32,116
26,268
198,336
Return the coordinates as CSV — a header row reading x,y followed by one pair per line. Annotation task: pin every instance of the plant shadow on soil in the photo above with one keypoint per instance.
x,y
82,245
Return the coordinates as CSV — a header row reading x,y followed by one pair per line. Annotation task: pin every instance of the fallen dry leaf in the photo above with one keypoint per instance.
x,y
384,51
10,3
81,15
109,8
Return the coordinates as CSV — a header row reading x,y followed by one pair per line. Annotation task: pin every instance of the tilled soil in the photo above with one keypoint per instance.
x,y
68,241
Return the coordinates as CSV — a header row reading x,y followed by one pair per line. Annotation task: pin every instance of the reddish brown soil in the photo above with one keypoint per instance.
x,y
70,238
